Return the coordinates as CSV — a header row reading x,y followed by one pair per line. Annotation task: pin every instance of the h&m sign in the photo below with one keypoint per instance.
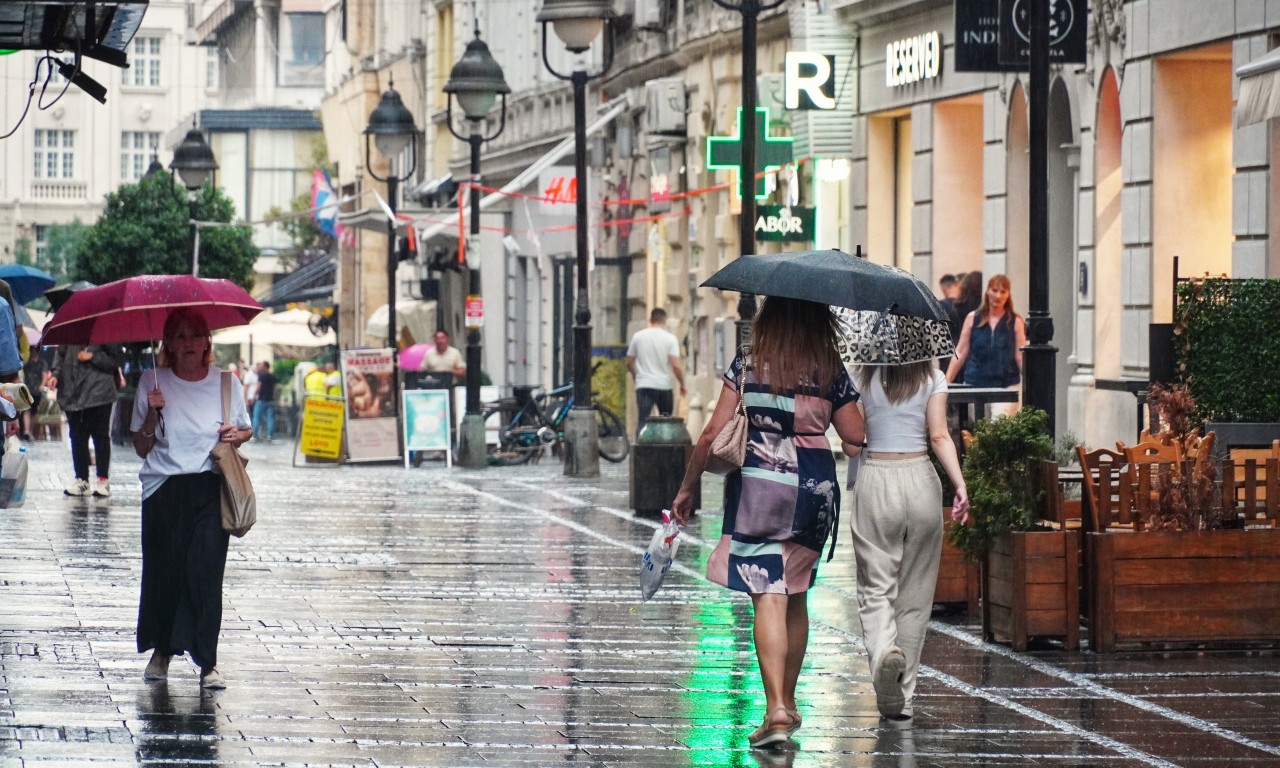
x,y
777,223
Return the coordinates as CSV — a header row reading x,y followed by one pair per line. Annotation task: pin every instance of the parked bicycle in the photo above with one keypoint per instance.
x,y
538,426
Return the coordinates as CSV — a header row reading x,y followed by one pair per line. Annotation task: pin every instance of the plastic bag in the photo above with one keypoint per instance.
x,y
657,559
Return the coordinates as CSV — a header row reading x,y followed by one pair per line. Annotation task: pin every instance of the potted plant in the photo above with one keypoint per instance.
x,y
1192,574
1029,571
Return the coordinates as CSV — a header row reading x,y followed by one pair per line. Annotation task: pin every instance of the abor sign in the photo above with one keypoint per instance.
x,y
776,223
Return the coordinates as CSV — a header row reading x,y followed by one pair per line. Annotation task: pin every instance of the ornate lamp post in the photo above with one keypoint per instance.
x,y
194,165
392,130
476,80
577,23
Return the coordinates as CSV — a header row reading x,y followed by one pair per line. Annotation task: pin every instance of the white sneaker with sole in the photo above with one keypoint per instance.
x,y
78,488
887,681
103,488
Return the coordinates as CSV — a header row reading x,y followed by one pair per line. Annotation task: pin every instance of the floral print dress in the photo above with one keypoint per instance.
x,y
784,502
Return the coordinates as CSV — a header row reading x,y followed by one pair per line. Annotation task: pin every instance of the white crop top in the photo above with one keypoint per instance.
x,y
898,427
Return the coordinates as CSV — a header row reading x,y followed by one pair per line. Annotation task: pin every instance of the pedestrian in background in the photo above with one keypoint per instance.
x,y
653,357
784,502
990,348
440,357
10,355
249,380
34,373
264,405
177,420
897,531
969,297
950,287
85,378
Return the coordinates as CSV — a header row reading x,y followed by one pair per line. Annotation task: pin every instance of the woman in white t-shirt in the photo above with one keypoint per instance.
x,y
177,420
897,519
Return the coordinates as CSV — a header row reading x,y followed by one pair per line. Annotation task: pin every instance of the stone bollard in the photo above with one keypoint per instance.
x,y
658,459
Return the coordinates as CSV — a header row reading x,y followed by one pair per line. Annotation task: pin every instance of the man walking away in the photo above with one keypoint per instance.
x,y
264,407
85,378
653,357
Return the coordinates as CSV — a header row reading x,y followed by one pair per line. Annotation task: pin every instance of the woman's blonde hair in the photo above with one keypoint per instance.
x,y
900,382
184,319
984,311
793,345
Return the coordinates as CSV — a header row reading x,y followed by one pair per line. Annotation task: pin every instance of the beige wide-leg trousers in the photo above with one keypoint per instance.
x,y
897,539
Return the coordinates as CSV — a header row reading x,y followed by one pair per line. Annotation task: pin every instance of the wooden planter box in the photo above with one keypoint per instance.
x,y
1216,587
1030,588
958,581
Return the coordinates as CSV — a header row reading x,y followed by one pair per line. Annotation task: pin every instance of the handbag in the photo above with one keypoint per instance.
x,y
729,447
239,504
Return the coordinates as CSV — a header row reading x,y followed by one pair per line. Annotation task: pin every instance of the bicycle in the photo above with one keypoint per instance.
x,y
539,425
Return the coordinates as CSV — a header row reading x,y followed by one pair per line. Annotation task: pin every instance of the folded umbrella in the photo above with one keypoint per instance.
x,y
26,282
135,309
830,277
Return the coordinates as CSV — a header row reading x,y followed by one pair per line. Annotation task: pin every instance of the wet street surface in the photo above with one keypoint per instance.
x,y
378,616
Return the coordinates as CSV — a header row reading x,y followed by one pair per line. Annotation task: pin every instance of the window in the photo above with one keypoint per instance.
x,y
144,62
42,242
136,150
301,49
55,156
211,67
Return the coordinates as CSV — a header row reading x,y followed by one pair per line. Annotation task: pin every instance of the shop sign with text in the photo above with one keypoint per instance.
x,y
777,223
809,80
913,59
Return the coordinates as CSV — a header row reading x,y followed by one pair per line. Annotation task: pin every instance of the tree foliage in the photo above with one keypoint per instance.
x,y
1001,473
145,230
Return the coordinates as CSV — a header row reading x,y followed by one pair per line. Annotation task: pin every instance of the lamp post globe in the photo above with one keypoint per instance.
x,y
476,81
392,130
193,160
577,23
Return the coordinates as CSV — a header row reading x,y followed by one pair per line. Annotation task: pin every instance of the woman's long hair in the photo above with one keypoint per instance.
x,y
997,281
793,345
900,382
970,289
188,320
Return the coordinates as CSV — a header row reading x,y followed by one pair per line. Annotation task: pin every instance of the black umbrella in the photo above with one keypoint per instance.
x,y
58,295
830,277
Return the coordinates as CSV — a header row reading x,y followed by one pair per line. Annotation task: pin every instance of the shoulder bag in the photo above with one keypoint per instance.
x,y
729,447
239,504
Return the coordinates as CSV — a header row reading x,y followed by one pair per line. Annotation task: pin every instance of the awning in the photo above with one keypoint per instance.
x,y
291,328
608,111
416,315
1259,89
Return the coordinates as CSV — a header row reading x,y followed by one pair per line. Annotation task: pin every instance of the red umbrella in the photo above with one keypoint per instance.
x,y
135,309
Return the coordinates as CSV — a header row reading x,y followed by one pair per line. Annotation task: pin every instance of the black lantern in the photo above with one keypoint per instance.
x,y
193,161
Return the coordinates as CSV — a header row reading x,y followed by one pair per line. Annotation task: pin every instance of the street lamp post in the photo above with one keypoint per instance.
x,y
194,163
476,80
750,10
577,23
392,129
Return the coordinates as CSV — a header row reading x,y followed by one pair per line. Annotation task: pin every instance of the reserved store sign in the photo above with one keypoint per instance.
x,y
913,59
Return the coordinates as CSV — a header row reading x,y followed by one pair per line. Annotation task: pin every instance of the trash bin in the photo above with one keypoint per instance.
x,y
658,459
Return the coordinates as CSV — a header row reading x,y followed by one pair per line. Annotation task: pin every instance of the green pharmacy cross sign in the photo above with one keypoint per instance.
x,y
772,152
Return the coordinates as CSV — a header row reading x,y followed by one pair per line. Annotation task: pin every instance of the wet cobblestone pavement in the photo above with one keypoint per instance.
x,y
378,616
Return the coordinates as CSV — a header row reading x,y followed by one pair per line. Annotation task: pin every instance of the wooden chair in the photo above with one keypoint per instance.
x,y
1252,475
1062,512
1108,498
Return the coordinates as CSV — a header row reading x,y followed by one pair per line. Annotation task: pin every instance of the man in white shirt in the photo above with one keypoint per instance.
x,y
442,358
653,357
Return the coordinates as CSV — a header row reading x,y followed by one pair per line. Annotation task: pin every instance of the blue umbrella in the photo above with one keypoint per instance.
x,y
26,282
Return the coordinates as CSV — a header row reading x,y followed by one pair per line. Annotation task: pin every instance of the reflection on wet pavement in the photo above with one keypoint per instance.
x,y
378,616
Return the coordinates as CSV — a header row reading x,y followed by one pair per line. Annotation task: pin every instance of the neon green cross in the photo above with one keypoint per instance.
x,y
772,152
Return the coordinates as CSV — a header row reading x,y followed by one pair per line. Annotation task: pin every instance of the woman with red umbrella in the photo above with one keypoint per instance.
x,y
177,420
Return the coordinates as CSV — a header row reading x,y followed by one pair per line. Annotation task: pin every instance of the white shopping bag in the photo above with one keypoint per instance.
x,y
657,559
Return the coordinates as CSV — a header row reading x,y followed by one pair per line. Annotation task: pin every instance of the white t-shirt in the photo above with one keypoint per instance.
x,y
653,349
192,414
898,427
250,380
441,362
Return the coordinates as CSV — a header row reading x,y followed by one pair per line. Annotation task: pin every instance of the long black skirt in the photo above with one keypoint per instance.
x,y
184,553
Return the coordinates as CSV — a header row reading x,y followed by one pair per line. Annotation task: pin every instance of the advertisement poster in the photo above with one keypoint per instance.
x,y
426,422
321,427
368,385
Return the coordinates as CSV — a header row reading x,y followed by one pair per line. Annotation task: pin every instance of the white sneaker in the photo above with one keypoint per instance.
x,y
78,488
103,489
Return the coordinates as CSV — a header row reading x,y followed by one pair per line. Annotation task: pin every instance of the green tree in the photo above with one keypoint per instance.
x,y
59,257
145,230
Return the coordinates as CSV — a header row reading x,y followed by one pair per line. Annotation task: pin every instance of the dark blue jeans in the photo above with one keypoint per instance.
x,y
646,399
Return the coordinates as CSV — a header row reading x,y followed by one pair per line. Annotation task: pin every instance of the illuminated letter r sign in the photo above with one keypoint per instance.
x,y
814,76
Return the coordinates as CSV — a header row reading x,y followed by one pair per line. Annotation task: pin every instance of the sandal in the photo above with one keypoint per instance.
x,y
157,667
775,728
211,679
796,720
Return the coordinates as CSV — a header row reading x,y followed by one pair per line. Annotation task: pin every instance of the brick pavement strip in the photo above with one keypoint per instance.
x,y
387,617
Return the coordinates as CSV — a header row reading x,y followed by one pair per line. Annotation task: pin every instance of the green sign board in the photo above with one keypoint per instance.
x,y
772,152
778,223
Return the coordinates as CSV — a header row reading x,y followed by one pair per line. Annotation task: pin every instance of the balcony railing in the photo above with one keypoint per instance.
x,y
59,190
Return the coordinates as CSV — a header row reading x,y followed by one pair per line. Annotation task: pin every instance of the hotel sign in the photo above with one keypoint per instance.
x,y
992,35
913,59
